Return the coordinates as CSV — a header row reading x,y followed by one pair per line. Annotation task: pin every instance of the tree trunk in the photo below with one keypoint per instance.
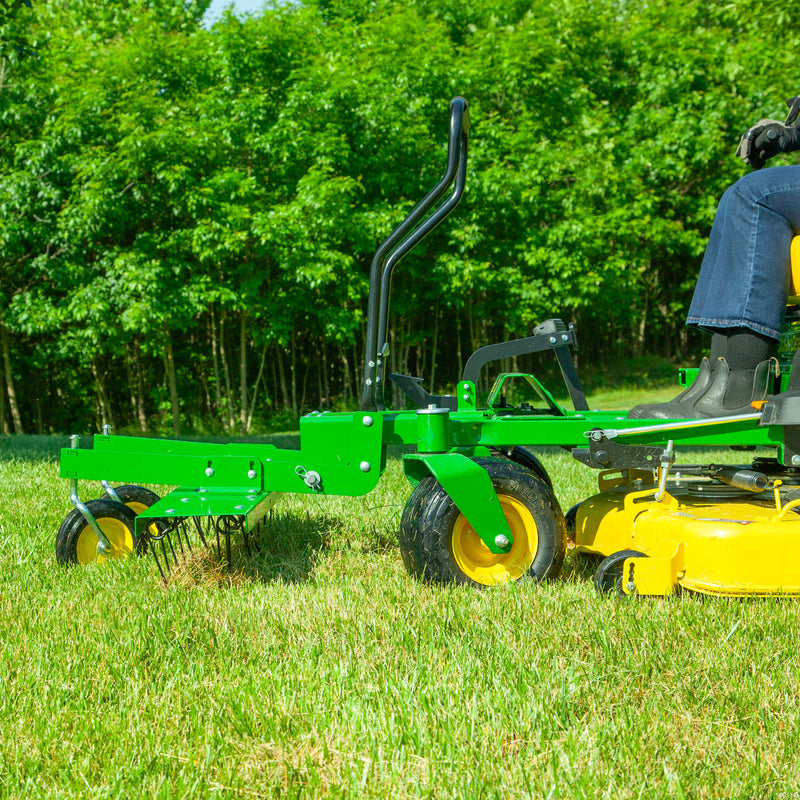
x,y
230,425
12,394
347,386
215,362
255,389
294,374
172,381
243,417
282,378
141,412
434,345
106,417
326,387
3,419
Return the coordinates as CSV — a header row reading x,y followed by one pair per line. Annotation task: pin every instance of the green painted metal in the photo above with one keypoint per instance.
x,y
469,486
345,454
533,386
433,430
188,502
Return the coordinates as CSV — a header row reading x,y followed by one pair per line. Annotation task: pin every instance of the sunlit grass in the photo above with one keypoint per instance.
x,y
319,668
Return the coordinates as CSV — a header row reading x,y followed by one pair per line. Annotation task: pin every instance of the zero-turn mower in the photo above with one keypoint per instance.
x,y
483,510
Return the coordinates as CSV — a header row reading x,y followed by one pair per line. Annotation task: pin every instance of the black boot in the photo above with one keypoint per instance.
x,y
682,406
731,392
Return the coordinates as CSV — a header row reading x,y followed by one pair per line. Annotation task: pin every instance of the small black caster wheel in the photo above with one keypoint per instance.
x,y
608,577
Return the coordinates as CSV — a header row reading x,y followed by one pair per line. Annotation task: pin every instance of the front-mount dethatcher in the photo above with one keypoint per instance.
x,y
483,509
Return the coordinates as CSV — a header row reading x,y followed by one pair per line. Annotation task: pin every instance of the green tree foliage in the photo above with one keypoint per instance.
x,y
187,216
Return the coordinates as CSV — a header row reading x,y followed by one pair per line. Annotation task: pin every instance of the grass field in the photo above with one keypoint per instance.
x,y
320,669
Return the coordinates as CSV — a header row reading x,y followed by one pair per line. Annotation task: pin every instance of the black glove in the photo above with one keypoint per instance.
x,y
766,139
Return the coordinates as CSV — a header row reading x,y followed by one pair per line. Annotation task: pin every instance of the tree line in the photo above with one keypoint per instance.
x,y
187,215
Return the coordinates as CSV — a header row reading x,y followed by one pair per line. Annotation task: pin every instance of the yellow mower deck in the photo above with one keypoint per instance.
x,y
747,545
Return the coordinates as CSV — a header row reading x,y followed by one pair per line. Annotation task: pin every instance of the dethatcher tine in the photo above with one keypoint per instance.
x,y
483,510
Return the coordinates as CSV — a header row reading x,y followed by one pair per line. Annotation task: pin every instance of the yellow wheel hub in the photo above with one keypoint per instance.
x,y
118,535
483,566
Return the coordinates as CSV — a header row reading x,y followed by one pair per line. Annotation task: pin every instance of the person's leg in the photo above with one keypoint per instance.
x,y
740,296
744,278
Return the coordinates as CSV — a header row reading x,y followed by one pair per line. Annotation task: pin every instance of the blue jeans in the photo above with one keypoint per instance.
x,y
744,278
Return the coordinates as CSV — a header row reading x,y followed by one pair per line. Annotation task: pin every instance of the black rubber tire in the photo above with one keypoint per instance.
x,y
608,577
75,540
524,457
137,498
570,519
431,520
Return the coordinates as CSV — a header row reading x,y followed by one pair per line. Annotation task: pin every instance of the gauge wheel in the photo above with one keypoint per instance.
x,y
139,499
76,541
439,545
608,577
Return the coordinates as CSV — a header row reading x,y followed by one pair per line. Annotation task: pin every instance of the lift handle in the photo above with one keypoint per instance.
x,y
412,230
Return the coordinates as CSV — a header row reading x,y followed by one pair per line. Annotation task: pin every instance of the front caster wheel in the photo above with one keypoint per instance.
x,y
438,544
76,541
609,577
139,499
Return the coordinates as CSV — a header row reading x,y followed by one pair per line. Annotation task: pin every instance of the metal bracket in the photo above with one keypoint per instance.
x,y
104,547
604,453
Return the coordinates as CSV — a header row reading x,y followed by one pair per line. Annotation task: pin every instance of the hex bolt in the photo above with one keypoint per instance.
x,y
368,422
465,397
209,472
553,340
251,474
631,587
365,466
501,541
564,337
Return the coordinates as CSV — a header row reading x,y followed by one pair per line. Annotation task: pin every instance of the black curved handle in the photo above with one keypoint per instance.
x,y
410,232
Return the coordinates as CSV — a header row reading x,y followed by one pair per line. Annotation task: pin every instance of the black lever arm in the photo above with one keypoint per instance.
x,y
401,240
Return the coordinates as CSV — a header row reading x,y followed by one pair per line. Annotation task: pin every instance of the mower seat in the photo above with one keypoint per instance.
x,y
794,273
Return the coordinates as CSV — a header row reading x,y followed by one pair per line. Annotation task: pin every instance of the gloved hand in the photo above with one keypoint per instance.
x,y
766,139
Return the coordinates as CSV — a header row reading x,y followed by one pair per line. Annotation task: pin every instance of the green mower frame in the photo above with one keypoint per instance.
x,y
470,469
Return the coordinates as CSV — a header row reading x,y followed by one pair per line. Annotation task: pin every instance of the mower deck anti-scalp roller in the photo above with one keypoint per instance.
x,y
483,510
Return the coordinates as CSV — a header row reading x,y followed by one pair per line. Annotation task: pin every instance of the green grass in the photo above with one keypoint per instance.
x,y
320,669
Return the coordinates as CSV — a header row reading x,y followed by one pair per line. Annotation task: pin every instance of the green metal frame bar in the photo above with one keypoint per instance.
x,y
345,454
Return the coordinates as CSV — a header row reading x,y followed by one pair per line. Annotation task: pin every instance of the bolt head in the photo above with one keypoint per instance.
x,y
465,397
251,474
796,461
365,466
368,422
501,541
209,472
